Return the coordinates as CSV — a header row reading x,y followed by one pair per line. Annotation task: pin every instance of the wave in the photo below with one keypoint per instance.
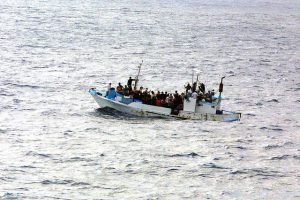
x,y
257,172
57,182
283,157
32,153
272,146
192,154
26,86
213,166
273,100
271,129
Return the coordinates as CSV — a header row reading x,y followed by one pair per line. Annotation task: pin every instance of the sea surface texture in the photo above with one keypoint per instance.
x,y
56,144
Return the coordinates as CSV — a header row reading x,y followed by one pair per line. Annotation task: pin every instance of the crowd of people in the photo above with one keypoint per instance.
x,y
162,98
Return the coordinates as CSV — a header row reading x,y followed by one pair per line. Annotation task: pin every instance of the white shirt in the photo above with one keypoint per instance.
x,y
108,87
195,95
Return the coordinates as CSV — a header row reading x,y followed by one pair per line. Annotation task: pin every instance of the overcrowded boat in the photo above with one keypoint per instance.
x,y
194,103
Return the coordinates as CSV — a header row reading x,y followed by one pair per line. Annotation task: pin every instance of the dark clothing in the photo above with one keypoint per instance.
x,y
188,87
194,87
126,91
129,83
202,86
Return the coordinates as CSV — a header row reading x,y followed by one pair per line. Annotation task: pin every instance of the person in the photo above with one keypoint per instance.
x,y
176,99
194,87
145,96
202,86
169,100
208,97
188,87
108,88
194,95
213,93
181,98
176,94
158,96
189,93
129,83
153,98
120,88
126,91
141,89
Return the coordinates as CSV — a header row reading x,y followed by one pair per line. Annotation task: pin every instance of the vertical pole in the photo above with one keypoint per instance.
x,y
220,94
193,77
137,77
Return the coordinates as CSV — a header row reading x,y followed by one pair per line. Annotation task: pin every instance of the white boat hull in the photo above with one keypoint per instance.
x,y
139,109
129,109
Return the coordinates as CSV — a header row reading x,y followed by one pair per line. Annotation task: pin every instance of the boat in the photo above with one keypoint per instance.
x,y
193,108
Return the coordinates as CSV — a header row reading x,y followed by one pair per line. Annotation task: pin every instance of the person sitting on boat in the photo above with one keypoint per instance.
x,y
136,94
208,97
163,103
212,93
140,93
120,88
189,93
158,95
181,98
141,89
162,95
126,91
166,95
169,100
158,99
176,99
145,96
153,98
194,95
201,96
176,95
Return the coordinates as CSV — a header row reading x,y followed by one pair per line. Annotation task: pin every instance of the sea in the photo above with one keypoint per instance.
x,y
55,142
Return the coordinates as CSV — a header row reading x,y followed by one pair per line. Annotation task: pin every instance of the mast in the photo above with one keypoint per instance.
x,y
193,77
137,77
220,93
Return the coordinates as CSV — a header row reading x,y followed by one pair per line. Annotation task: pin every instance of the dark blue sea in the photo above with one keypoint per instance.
x,y
56,144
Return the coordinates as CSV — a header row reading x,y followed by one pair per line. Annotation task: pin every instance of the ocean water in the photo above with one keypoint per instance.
x,y
56,144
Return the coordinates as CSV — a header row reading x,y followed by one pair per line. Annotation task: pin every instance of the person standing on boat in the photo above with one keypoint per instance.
x,y
194,87
129,83
108,88
188,87
202,86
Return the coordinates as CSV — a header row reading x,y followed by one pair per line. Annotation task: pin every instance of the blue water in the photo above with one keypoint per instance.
x,y
56,144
